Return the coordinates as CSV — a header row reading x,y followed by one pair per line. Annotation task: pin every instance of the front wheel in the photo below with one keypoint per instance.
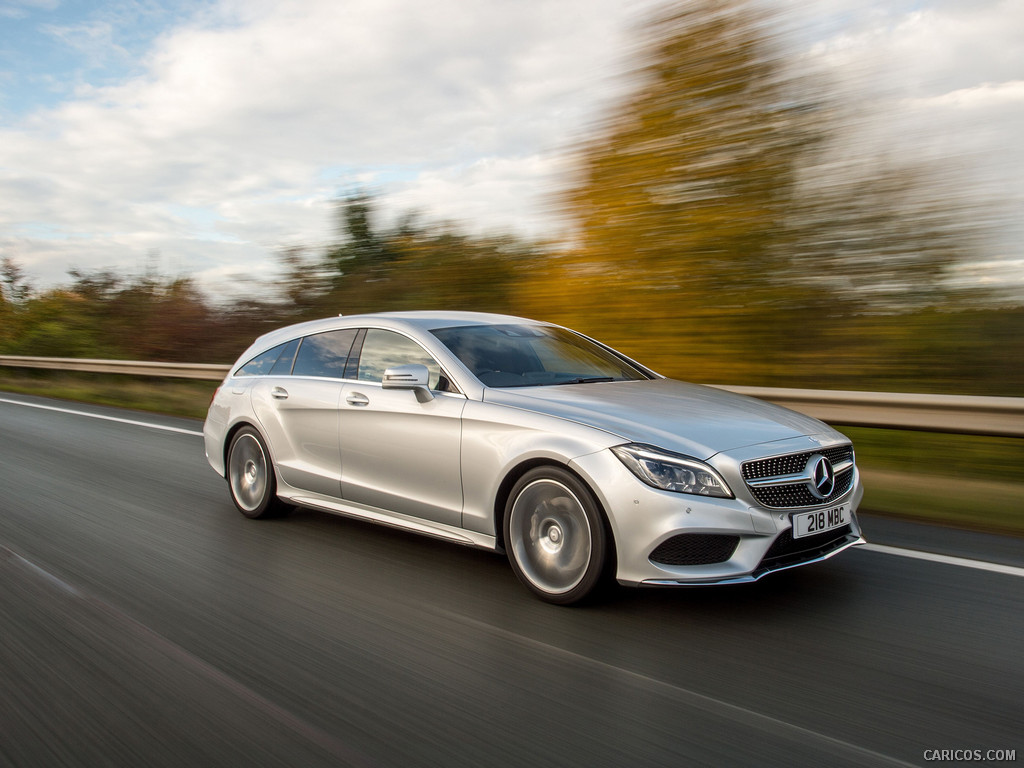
x,y
251,476
555,535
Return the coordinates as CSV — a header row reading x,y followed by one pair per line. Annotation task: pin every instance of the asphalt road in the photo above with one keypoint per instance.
x,y
144,622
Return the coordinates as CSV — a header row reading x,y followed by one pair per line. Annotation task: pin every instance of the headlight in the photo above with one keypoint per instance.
x,y
672,472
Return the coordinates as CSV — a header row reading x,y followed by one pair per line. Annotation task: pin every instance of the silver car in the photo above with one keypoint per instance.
x,y
528,438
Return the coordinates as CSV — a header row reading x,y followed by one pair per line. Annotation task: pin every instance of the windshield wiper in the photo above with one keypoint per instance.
x,y
587,380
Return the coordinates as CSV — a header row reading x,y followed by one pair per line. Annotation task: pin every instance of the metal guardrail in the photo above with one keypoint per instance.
x,y
202,371
957,414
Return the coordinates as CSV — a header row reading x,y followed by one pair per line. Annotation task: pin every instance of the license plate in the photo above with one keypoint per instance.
x,y
810,523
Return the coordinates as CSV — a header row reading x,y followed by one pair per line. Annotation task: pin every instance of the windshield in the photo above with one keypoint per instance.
x,y
534,355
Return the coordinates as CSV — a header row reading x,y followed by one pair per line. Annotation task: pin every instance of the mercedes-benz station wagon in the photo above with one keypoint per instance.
x,y
523,437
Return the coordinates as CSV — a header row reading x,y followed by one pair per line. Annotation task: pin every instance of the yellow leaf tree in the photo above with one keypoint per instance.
x,y
715,237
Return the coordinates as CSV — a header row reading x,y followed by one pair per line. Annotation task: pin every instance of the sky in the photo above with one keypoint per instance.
x,y
201,137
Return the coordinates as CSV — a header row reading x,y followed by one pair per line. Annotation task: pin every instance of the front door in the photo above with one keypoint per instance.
x,y
397,453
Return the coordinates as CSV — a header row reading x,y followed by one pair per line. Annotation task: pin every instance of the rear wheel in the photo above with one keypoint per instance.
x,y
555,535
251,476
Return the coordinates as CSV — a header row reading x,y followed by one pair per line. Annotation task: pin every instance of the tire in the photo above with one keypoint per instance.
x,y
251,479
555,536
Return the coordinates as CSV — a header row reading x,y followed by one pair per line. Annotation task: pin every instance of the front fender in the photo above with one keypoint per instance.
x,y
497,439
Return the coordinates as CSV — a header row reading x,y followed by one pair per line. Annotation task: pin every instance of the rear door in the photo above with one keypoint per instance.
x,y
299,411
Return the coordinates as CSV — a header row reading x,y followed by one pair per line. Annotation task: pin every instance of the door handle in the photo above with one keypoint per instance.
x,y
357,398
279,393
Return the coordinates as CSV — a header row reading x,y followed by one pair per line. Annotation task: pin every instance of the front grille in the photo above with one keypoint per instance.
x,y
793,463
786,550
788,496
695,549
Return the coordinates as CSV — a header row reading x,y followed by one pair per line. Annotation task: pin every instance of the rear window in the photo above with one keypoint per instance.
x,y
264,362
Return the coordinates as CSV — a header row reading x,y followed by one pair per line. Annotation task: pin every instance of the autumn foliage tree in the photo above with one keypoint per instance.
x,y
716,234
681,194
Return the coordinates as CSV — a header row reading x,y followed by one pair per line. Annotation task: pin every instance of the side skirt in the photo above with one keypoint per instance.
x,y
391,519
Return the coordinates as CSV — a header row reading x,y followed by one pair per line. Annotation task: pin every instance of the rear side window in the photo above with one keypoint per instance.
x,y
283,366
262,364
325,354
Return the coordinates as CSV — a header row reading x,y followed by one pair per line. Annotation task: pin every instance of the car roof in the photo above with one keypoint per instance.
x,y
425,320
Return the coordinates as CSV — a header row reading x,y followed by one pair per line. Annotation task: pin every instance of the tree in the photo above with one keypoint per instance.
x,y
57,323
716,236
411,265
14,285
15,291
362,246
680,193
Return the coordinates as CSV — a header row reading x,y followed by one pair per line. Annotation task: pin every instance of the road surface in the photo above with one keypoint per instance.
x,y
146,623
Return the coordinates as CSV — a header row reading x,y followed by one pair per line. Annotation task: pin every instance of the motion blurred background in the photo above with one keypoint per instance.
x,y
750,195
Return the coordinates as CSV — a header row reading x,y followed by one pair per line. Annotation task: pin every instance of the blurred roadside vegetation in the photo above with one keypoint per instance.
x,y
173,397
727,226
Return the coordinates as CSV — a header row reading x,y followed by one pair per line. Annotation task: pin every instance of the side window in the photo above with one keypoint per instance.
x,y
283,366
263,362
386,349
324,354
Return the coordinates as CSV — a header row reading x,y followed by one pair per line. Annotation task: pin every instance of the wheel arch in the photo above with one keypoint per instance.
x,y
512,477
237,427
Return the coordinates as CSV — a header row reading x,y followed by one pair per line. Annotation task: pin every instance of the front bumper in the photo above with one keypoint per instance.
x,y
744,541
840,543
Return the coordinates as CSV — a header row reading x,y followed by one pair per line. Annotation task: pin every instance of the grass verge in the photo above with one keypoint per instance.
x,y
174,397
979,505
964,481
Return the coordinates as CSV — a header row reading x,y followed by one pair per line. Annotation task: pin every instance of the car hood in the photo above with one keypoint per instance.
x,y
695,420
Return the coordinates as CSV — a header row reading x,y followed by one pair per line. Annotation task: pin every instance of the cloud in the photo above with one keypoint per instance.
x,y
935,82
233,133
983,96
904,49
17,9
237,112
94,39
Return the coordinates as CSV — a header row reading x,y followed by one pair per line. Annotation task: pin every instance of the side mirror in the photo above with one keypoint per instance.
x,y
415,377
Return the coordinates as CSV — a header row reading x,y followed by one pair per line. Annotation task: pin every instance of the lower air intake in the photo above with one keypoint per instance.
x,y
786,550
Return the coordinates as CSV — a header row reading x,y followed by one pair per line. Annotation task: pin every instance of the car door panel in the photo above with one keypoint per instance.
x,y
300,418
400,454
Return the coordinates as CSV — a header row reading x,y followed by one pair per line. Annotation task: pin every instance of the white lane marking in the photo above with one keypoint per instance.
x,y
57,582
142,635
150,425
701,702
963,562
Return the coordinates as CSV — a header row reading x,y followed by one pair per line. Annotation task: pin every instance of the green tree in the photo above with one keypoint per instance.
x,y
363,246
14,285
412,265
15,291
57,323
306,281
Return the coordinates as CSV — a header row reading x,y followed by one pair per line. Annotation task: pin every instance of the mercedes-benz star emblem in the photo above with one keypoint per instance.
x,y
823,477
